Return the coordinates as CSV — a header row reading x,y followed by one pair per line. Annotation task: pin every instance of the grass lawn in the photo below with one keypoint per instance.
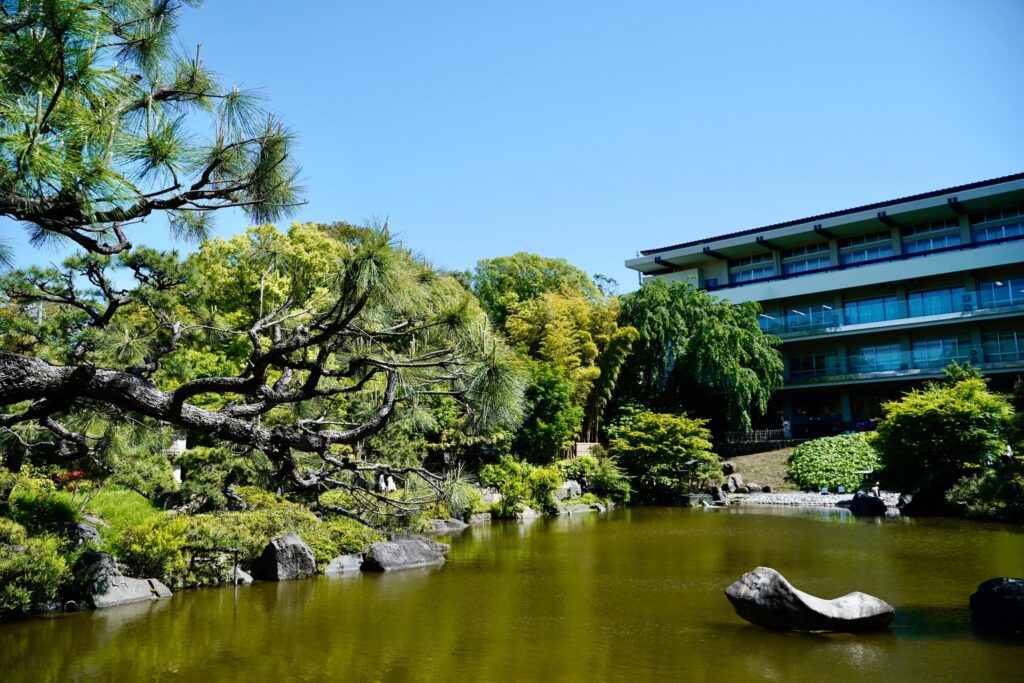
x,y
767,469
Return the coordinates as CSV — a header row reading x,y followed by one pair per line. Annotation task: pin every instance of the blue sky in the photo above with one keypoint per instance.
x,y
589,130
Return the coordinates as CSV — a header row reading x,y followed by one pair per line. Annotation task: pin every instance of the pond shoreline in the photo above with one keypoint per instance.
x,y
800,499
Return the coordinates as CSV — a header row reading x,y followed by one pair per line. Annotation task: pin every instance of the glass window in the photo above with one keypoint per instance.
x,y
871,310
994,226
927,244
878,358
808,364
811,317
750,268
871,247
806,264
997,293
938,353
1001,347
937,301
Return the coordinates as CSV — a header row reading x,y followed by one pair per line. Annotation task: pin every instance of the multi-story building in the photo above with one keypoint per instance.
x,y
870,300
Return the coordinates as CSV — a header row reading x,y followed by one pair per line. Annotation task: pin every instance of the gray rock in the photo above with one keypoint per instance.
x,y
754,488
491,496
480,518
408,553
733,483
239,577
442,548
345,563
766,489
79,534
719,497
103,585
864,504
728,468
528,513
765,598
286,557
570,488
998,606
446,526
600,507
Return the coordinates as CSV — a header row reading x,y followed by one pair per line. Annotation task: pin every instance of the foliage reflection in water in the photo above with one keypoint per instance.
x,y
632,595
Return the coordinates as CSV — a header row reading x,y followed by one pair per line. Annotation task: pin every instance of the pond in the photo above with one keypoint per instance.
x,y
633,595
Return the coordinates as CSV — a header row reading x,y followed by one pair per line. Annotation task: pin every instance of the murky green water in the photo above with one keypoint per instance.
x,y
635,595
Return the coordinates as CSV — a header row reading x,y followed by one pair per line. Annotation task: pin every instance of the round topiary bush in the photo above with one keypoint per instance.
x,y
832,462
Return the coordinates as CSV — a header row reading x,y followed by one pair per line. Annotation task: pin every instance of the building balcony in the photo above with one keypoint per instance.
x,y
971,306
852,369
960,258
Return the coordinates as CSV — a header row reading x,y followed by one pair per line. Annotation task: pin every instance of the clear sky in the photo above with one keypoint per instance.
x,y
589,129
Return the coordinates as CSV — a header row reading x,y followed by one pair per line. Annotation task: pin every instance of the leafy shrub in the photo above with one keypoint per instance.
x,y
927,439
603,476
339,536
31,571
37,504
996,493
654,450
832,462
155,548
11,533
520,483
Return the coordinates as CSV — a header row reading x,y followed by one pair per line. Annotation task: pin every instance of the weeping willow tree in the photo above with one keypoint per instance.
x,y
289,349
691,345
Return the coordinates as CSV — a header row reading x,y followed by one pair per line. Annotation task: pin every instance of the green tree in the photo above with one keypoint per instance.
x,y
551,418
664,455
500,281
929,438
692,343
292,347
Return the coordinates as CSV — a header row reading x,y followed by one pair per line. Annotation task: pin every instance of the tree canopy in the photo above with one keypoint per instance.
x,y
99,127
691,343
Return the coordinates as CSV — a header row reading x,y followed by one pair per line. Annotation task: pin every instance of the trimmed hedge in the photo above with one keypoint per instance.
x,y
832,462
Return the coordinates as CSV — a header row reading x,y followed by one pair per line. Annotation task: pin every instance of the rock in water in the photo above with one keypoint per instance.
x,y
239,577
345,563
998,606
446,526
406,553
866,505
286,557
104,586
765,598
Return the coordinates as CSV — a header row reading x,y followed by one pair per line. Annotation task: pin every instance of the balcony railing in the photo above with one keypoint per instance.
x,y
888,259
837,368
793,324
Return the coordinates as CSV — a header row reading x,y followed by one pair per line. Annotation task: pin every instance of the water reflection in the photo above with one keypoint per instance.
x,y
629,595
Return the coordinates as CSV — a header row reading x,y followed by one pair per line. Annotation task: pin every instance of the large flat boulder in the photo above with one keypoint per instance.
x,y
103,585
765,598
404,553
998,606
286,557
